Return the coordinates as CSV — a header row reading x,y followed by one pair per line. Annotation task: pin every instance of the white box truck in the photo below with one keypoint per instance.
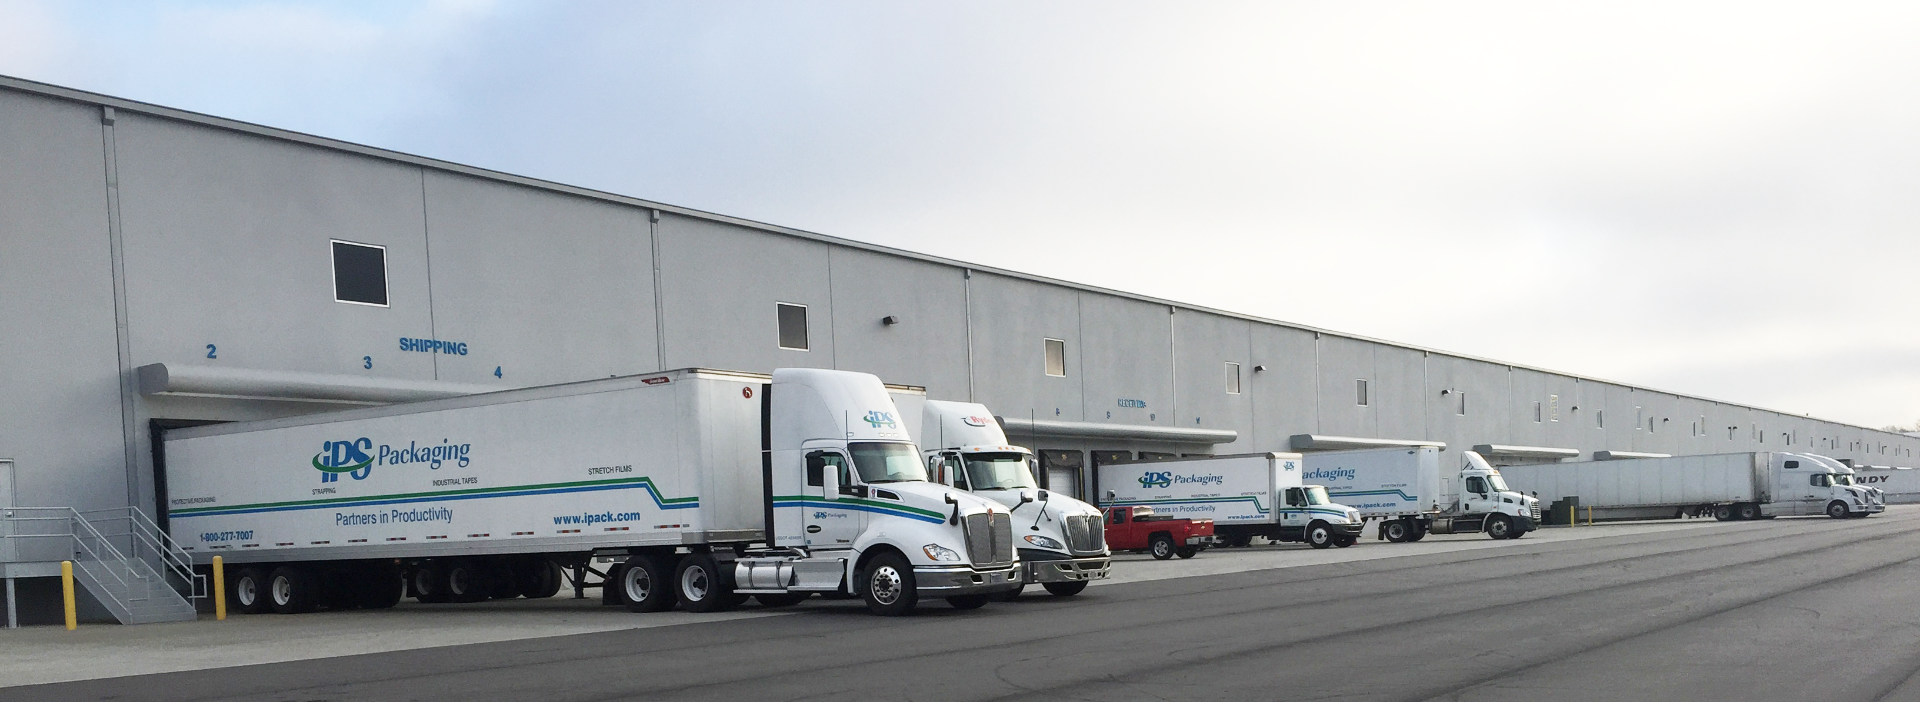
x,y
1062,541
1246,495
1411,496
1729,486
710,485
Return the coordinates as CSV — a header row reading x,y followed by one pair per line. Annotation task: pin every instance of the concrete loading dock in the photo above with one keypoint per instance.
x,y
165,268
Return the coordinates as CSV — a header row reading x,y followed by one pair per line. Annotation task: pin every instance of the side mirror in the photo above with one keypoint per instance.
x,y
1043,496
830,483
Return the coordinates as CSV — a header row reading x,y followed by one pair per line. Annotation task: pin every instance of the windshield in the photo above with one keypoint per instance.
x,y
1499,484
887,463
998,471
1842,479
1317,495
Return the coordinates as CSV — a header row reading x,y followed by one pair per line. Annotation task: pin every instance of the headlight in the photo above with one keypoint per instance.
x,y
1044,542
940,553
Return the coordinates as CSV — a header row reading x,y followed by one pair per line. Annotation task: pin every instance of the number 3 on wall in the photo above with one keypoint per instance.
x,y
366,362
211,351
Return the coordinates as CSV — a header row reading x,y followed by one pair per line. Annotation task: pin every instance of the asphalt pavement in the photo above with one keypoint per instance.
x,y
1786,609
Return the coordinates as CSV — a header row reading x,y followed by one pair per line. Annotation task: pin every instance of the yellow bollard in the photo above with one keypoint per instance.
x,y
1589,515
219,590
66,593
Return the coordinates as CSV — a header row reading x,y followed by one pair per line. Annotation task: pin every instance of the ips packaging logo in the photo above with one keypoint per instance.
x,y
350,456
1159,479
878,419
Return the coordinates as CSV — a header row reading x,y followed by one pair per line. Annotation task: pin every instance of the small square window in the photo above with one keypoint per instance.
x,y
359,273
1057,358
793,326
1233,378
1360,389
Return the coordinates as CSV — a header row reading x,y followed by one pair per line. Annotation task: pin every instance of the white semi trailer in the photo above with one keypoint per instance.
x,y
1406,490
1728,486
711,486
1062,541
1246,495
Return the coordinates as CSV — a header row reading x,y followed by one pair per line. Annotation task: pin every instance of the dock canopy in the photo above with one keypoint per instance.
x,y
1525,451
257,384
1623,455
1019,427
1320,442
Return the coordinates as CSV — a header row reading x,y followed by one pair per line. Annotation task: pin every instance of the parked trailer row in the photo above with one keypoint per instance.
x,y
1407,491
709,486
1728,486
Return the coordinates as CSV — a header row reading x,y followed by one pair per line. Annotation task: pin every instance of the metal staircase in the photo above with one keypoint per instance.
x,y
119,555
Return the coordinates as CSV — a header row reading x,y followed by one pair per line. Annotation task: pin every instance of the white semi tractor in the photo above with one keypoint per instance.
x,y
1729,486
1061,540
1246,495
1411,496
709,486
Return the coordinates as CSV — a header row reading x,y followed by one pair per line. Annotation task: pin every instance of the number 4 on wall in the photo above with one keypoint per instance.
x,y
496,372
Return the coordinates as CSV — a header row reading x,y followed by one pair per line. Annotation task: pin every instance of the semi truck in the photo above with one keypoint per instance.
x,y
707,486
1061,541
1246,495
1405,490
1729,486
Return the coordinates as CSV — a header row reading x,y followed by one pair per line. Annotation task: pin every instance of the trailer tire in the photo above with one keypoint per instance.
x,y
1319,535
1398,531
249,591
785,599
1187,551
886,583
465,581
292,590
428,583
539,579
1837,509
967,601
1746,511
1239,539
1161,546
1009,595
1344,541
645,585
1723,513
698,585
378,587
1499,526
1067,588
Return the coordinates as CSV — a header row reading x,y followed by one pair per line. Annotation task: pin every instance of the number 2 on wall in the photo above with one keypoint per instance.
x,y
211,351
366,362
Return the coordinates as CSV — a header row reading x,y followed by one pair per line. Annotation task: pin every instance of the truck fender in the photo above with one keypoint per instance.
x,y
854,580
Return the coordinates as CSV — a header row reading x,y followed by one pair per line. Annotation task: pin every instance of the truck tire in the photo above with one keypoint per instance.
x,y
539,579
1837,509
1398,531
1319,536
1009,595
645,584
466,581
967,601
1746,511
292,590
1499,526
1187,551
698,585
886,583
785,599
1239,539
429,584
1420,530
1344,541
378,587
1161,546
248,591
1723,513
1066,589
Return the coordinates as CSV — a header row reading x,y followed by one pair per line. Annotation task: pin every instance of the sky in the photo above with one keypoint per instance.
x,y
1712,198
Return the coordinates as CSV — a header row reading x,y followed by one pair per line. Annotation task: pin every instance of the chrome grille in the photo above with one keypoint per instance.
x,y
1086,534
989,538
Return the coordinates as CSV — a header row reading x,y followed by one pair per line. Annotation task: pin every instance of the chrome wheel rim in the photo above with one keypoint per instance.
x,y
1162,548
886,585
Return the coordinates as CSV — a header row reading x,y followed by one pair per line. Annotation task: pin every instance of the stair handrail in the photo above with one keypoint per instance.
x,y
172,556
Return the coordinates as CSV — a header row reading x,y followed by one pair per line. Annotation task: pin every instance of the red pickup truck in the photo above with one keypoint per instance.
x,y
1139,529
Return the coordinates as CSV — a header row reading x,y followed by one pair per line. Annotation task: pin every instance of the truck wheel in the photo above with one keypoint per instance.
x,y
1161,545
1837,509
1187,551
1066,589
646,585
429,583
967,601
465,581
887,585
1723,513
1239,540
1397,530
699,586
1746,511
1009,595
539,579
1343,541
291,590
1500,527
1420,531
249,591
785,599
1319,536
378,587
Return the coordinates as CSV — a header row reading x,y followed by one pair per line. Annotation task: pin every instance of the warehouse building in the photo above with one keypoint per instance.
x,y
160,268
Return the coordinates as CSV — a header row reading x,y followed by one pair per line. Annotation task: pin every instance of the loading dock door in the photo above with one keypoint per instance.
x,y
1060,469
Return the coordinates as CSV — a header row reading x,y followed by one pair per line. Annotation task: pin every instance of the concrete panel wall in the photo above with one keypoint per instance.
x,y
1286,396
1127,351
1011,318
1484,386
719,287
547,288
928,344
1203,345
1341,362
60,400
1399,402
